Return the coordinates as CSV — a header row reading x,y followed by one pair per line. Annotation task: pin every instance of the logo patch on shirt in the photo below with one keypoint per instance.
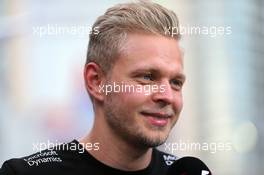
x,y
43,157
169,159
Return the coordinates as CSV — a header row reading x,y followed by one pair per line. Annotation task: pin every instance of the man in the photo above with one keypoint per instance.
x,y
134,76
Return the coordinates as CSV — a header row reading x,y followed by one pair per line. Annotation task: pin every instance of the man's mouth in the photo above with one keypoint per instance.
x,y
157,118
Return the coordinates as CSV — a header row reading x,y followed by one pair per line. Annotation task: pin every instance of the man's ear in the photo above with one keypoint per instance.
x,y
94,80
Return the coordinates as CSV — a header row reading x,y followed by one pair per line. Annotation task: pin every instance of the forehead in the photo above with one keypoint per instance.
x,y
141,51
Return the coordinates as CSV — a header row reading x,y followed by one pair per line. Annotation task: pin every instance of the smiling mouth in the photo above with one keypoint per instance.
x,y
157,119
157,114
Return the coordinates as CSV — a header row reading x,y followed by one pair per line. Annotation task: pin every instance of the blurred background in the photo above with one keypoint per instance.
x,y
42,96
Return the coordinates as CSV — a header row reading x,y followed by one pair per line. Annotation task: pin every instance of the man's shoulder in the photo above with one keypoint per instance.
x,y
32,164
43,162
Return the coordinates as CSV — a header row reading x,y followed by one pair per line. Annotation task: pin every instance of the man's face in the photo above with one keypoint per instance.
x,y
146,118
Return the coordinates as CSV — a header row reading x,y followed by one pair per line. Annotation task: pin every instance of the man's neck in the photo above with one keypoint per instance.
x,y
115,152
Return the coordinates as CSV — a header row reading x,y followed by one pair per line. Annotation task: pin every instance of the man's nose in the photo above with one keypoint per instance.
x,y
165,94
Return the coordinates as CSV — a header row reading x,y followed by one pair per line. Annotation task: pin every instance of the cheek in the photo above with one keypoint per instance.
x,y
178,103
132,100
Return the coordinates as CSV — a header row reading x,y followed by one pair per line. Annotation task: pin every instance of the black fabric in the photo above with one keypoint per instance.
x,y
61,161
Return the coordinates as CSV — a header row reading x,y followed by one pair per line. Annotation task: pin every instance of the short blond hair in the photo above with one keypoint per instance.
x,y
118,21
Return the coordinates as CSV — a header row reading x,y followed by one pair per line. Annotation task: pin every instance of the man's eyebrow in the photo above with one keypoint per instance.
x,y
180,76
145,70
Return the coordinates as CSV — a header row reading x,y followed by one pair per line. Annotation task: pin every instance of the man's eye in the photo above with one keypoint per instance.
x,y
148,77
177,84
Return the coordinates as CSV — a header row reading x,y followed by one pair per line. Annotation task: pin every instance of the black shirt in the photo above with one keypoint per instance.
x,y
61,161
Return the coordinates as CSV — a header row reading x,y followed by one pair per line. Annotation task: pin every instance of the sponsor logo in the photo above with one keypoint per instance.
x,y
169,159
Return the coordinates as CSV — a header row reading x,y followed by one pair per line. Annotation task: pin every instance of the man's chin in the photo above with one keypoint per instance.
x,y
153,143
153,139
